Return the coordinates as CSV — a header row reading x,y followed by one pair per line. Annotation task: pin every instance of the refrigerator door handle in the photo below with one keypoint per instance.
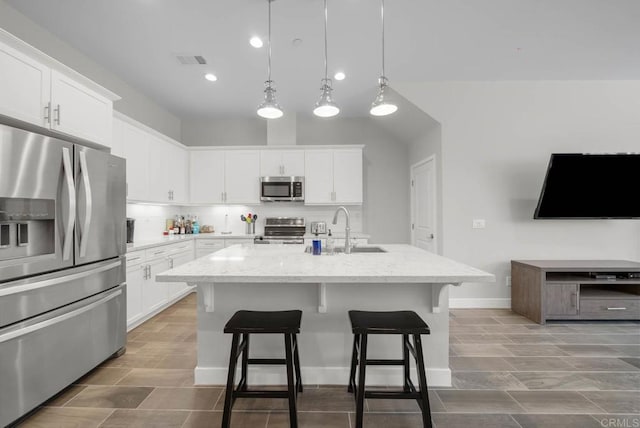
x,y
71,187
24,331
6,291
84,239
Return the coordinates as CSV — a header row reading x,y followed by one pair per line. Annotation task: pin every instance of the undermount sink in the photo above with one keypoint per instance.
x,y
361,250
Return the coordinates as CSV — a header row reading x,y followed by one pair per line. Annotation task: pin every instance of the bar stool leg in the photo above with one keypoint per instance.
x,y
228,400
245,362
296,360
362,366
293,415
354,359
424,391
405,359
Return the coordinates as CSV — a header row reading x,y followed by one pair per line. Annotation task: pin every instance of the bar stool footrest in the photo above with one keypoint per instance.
x,y
267,361
261,394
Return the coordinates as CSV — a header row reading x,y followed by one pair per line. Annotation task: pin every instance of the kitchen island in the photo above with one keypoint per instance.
x,y
325,287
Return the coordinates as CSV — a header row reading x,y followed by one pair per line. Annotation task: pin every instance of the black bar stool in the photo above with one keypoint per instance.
x,y
244,323
405,323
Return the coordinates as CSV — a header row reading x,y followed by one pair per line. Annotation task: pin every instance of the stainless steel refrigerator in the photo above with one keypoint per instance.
x,y
62,271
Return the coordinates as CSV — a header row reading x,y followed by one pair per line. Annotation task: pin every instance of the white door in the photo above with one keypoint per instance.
x,y
24,87
179,160
242,176
318,177
206,176
136,151
293,163
117,138
135,282
423,205
79,111
270,162
159,169
347,176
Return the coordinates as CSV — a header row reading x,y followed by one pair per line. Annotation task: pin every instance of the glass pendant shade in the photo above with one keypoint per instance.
x,y
325,107
382,106
269,108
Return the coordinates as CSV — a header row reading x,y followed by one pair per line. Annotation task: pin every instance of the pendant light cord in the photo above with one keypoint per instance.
x,y
269,62
382,16
326,74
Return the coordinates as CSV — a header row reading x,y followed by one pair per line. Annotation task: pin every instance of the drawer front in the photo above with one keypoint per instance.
x,y
180,248
135,258
156,253
610,309
210,243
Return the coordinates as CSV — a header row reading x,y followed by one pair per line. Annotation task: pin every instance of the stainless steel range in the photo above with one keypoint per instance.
x,y
282,230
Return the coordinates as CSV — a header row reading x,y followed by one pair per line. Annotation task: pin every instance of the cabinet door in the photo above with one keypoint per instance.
x,y
242,176
178,165
79,111
155,294
347,176
293,163
318,177
270,162
561,299
231,242
177,288
24,87
135,282
136,143
117,138
206,176
160,164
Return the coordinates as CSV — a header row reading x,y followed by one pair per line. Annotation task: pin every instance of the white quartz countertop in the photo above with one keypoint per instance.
x,y
290,264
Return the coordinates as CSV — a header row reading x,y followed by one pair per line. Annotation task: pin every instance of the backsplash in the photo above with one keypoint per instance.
x,y
151,219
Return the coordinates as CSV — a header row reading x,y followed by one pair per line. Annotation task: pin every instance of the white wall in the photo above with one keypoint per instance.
x,y
224,132
496,142
133,103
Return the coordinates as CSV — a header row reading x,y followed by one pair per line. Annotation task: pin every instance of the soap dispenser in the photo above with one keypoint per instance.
x,y
329,245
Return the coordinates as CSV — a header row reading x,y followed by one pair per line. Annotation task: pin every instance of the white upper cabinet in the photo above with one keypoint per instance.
x,y
347,176
333,177
225,176
24,87
157,168
206,176
282,162
78,111
242,178
136,152
36,89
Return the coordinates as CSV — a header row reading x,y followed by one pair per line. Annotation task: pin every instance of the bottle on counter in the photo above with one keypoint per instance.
x,y
330,243
195,226
183,228
176,225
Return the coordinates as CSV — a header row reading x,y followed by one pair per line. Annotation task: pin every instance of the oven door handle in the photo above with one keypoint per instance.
x,y
38,326
7,291
71,187
84,238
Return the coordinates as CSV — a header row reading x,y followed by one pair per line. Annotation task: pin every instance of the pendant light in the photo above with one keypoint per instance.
x,y
269,109
381,106
326,107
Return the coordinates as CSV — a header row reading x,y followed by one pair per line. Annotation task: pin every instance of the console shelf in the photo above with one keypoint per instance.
x,y
576,289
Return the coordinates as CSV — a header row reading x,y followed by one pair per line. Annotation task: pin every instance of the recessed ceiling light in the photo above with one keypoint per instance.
x,y
256,42
339,75
211,77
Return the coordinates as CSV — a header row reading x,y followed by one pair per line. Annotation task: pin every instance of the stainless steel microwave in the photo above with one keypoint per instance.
x,y
281,189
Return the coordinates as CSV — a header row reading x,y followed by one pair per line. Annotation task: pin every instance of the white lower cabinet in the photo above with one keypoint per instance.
x,y
145,296
207,246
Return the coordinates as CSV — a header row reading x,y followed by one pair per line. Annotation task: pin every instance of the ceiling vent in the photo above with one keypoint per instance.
x,y
191,59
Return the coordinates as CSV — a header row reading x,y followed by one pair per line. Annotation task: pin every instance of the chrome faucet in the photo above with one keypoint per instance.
x,y
347,230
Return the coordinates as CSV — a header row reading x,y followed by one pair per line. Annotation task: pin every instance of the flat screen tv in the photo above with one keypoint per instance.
x,y
590,186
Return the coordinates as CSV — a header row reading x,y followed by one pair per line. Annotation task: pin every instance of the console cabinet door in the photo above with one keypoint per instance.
x,y
242,177
318,177
206,182
561,299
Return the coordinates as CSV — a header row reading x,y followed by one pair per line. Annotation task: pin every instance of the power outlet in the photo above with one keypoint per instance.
x,y
507,280
478,223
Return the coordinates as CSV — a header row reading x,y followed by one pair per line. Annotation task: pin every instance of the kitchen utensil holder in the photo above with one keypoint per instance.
x,y
250,228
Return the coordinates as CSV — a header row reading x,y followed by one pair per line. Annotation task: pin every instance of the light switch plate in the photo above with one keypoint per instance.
x,y
478,223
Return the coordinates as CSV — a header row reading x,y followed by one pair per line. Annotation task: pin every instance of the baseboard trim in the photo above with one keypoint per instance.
x,y
266,375
480,303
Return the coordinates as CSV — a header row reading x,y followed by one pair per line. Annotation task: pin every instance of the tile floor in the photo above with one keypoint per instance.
x,y
507,372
